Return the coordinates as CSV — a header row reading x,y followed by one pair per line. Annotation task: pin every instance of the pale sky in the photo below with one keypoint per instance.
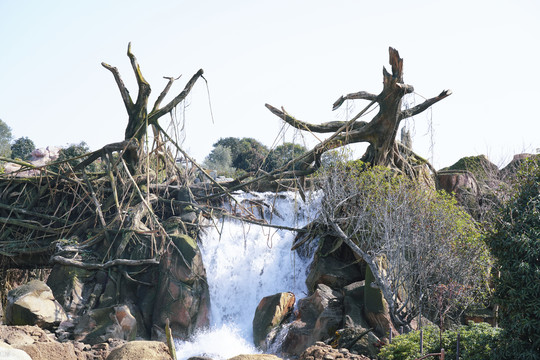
x,y
298,54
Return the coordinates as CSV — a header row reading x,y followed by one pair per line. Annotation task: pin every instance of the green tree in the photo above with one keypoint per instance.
x,y
5,139
220,160
282,154
516,247
22,148
247,154
72,155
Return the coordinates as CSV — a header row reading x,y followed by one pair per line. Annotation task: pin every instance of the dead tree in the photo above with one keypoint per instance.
x,y
380,132
139,117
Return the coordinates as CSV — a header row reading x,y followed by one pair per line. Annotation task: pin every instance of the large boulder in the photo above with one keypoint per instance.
x,y
463,185
33,304
99,325
147,350
479,165
9,353
71,286
353,305
50,350
510,170
182,292
335,267
255,357
320,315
376,309
472,179
322,351
358,340
271,312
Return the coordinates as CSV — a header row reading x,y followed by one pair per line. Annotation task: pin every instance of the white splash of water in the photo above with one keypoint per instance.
x,y
243,264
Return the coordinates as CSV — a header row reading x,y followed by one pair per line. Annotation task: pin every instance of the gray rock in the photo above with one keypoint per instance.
x,y
99,325
320,315
270,312
182,291
33,304
353,305
333,267
148,350
9,353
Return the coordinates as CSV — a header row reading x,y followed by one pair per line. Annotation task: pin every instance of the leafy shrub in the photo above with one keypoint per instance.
x,y
5,139
22,148
73,155
516,247
220,160
477,342
282,154
246,153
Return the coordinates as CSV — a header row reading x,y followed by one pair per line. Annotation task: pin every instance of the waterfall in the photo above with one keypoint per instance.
x,y
244,263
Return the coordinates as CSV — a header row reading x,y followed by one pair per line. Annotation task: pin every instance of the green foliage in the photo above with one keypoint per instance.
x,y
480,166
515,244
282,154
73,151
247,154
73,155
22,148
220,160
477,342
5,139
431,249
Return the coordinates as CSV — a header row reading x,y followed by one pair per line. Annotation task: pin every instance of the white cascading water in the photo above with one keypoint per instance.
x,y
244,264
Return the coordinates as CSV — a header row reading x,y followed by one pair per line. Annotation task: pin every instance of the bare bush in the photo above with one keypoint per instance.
x,y
413,238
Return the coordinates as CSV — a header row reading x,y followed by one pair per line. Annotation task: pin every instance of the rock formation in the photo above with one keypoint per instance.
x,y
270,313
33,304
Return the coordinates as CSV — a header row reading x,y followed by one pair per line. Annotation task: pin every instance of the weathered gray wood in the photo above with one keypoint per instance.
x,y
380,132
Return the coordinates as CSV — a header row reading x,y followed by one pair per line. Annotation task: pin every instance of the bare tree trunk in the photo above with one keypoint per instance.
x,y
380,132
138,116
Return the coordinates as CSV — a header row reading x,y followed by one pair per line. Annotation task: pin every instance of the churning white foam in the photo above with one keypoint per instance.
x,y
244,263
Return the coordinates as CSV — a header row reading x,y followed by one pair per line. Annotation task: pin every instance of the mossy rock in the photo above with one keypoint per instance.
x,y
68,284
479,166
373,297
187,246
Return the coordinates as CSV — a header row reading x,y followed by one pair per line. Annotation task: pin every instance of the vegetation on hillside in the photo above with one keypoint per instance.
x,y
516,246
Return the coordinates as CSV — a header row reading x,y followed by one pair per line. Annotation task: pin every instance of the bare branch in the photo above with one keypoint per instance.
x,y
128,103
144,86
165,91
94,266
155,115
123,146
361,95
327,127
423,106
